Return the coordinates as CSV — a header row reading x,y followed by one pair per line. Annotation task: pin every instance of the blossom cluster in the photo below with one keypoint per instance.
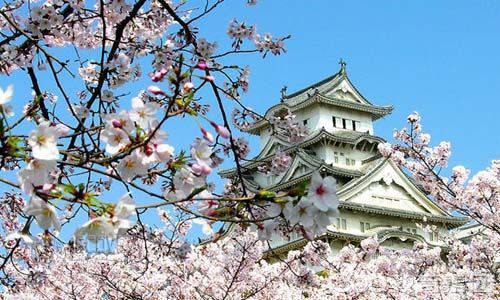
x,y
233,268
476,197
68,162
286,125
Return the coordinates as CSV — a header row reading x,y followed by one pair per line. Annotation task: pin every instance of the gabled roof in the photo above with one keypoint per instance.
x,y
338,84
266,154
336,90
387,171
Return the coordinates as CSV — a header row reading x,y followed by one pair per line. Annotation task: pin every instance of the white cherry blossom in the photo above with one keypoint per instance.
x,y
201,152
323,192
6,96
25,237
45,214
303,213
115,139
143,113
119,120
131,166
97,229
184,183
121,213
43,141
36,174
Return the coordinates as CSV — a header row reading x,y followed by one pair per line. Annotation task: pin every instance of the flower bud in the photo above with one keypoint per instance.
x,y
208,78
148,150
153,89
47,187
221,130
202,65
207,135
211,213
117,123
188,86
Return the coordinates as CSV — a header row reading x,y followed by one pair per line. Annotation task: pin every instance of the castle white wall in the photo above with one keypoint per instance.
x,y
320,116
338,156
326,113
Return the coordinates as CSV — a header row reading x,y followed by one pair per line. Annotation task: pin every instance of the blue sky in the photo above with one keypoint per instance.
x,y
440,58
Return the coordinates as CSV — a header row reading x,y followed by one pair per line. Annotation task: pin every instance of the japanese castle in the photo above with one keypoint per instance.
x,y
376,197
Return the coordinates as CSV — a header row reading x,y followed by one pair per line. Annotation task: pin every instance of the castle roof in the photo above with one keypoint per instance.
x,y
336,90
352,138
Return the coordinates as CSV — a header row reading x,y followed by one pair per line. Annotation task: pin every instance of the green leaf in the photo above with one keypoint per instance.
x,y
67,188
299,190
185,75
179,162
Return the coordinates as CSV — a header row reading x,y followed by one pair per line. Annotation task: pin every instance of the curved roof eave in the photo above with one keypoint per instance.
x,y
375,110
316,137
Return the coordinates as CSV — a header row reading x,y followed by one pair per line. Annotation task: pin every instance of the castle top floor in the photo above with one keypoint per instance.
x,y
332,104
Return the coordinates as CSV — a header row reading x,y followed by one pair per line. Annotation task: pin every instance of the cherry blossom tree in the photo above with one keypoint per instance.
x,y
89,154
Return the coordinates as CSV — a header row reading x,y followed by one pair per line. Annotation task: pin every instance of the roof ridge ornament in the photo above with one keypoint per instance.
x,y
342,65
283,92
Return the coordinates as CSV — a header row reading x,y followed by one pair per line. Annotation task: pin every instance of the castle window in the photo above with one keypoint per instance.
x,y
344,123
350,162
341,223
336,156
364,226
334,120
433,236
354,125
305,122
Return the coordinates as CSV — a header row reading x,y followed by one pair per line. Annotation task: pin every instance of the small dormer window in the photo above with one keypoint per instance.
x,y
305,122
344,122
354,125
334,121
